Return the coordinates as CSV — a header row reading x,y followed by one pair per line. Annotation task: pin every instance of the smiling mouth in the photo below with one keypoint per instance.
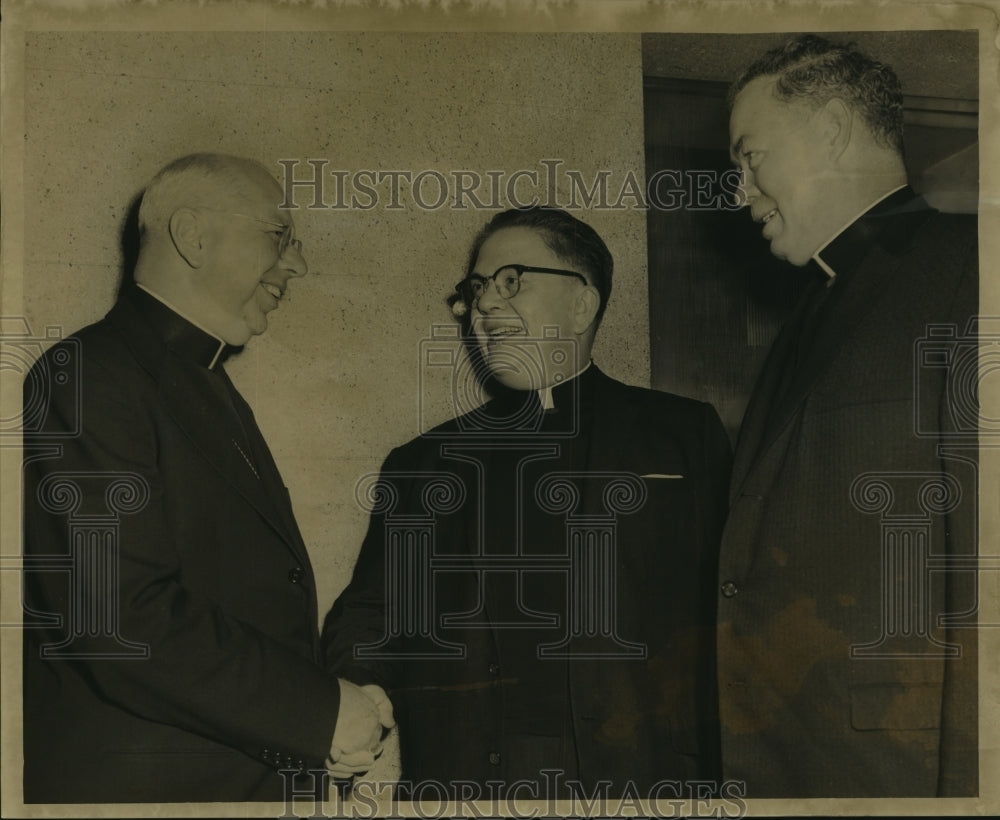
x,y
500,333
274,290
769,216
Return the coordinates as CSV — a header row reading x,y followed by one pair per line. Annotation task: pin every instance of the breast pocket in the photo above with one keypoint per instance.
x,y
664,488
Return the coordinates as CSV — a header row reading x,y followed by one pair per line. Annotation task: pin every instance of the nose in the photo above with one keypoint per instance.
x,y
490,298
748,186
293,261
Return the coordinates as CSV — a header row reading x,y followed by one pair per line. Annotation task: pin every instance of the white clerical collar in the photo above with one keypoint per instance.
x,y
816,256
186,318
545,393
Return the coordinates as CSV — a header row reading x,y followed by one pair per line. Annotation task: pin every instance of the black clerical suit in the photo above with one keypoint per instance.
x,y
171,641
536,592
842,594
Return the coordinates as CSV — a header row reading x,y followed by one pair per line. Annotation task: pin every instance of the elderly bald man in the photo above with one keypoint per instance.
x,y
182,661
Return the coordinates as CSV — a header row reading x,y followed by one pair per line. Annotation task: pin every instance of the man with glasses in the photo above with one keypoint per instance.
x,y
555,626
175,657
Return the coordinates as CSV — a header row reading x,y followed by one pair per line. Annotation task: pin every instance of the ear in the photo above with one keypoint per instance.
x,y
588,302
836,123
186,234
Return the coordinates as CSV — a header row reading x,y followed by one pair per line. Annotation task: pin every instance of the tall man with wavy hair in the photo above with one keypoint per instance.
x,y
847,643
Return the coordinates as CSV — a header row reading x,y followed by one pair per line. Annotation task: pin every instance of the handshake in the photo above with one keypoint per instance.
x,y
365,715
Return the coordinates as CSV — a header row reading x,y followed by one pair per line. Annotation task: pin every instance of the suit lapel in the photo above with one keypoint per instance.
x,y
835,322
204,417
201,411
867,257
270,477
754,427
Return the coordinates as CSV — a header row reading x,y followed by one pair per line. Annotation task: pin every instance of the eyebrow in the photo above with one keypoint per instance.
x,y
268,220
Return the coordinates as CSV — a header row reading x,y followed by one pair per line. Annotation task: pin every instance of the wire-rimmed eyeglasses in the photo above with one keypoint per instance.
x,y
287,238
507,281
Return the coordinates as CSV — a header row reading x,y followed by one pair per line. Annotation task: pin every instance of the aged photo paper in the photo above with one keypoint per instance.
x,y
397,129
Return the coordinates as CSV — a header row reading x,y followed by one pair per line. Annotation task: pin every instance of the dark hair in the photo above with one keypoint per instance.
x,y
815,70
568,237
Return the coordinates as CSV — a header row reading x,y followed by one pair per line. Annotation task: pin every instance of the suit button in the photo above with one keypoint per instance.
x,y
494,669
729,588
495,758
295,575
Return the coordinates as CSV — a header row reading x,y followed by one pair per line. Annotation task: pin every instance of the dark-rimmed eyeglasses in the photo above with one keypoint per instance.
x,y
507,281
287,238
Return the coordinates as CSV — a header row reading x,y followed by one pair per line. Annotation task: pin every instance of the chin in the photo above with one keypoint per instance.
x,y
237,339
792,257
252,327
515,372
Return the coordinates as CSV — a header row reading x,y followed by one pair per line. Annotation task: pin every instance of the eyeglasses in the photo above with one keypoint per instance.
x,y
287,231
507,281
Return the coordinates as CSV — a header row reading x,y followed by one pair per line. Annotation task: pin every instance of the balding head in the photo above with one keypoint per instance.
x,y
215,245
219,181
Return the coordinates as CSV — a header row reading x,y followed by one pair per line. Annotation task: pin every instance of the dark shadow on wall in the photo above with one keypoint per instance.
x,y
717,297
129,243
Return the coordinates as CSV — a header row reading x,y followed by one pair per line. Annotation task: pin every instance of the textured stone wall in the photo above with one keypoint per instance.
x,y
339,378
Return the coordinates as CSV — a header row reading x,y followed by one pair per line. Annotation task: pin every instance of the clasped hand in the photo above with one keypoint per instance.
x,y
365,713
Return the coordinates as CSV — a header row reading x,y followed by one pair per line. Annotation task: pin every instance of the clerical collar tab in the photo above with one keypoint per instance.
x,y
846,248
178,332
545,393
